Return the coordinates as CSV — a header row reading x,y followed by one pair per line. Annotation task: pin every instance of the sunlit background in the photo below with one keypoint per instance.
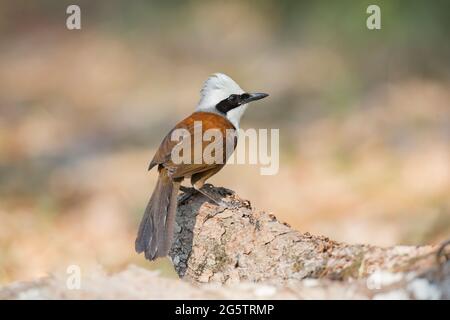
x,y
364,119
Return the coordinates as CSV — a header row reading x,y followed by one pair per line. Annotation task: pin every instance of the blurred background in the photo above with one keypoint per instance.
x,y
364,119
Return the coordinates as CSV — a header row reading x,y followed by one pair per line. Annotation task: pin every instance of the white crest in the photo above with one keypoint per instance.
x,y
217,88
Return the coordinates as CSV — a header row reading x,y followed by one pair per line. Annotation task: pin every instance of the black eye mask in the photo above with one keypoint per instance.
x,y
233,101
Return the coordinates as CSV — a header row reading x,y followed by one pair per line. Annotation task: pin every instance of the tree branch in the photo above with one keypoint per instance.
x,y
256,256
214,244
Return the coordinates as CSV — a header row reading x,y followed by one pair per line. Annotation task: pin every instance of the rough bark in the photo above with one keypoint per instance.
x,y
213,244
244,253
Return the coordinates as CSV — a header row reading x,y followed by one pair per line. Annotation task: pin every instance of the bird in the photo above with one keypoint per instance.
x,y
221,106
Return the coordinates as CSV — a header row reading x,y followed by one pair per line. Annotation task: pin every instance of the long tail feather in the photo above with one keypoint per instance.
x,y
155,233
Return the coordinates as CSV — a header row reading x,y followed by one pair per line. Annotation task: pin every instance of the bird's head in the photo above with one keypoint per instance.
x,y
222,95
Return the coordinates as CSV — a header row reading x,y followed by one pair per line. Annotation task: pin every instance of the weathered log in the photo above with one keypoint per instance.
x,y
216,244
245,253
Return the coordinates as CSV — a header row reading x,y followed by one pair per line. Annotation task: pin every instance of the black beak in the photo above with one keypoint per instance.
x,y
255,96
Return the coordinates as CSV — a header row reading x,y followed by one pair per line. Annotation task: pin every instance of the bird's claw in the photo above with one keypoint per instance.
x,y
187,193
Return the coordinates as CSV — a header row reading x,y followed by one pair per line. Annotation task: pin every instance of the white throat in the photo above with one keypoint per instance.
x,y
217,88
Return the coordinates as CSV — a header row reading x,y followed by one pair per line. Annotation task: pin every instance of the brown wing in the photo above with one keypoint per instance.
x,y
163,153
207,121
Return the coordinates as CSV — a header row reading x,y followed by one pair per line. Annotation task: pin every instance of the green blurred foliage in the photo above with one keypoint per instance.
x,y
418,22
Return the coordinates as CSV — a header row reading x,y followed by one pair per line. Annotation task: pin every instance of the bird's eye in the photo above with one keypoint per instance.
x,y
245,96
233,97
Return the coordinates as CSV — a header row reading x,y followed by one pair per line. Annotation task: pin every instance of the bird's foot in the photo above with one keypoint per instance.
x,y
208,191
217,199
187,193
187,189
